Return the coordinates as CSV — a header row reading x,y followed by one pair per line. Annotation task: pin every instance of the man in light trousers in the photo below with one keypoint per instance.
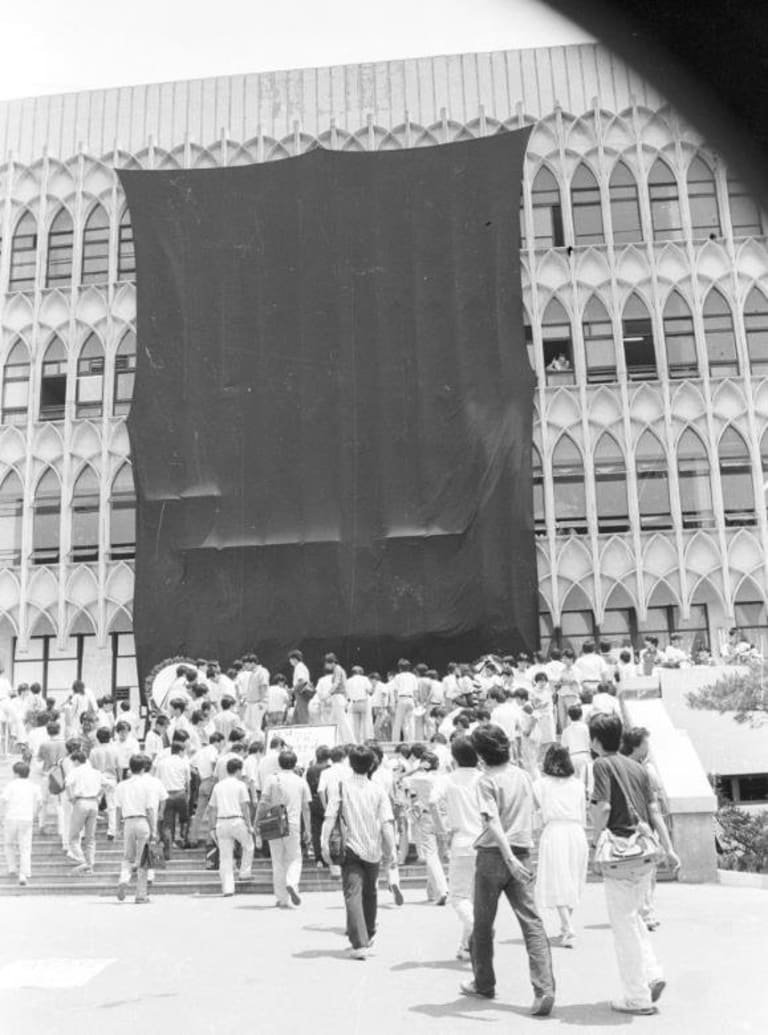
x,y
288,789
137,813
230,812
622,797
84,786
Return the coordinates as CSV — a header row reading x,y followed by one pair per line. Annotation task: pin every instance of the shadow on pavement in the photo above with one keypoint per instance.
x,y
584,1015
432,965
320,954
324,929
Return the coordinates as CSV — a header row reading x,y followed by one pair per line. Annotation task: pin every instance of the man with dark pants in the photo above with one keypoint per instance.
x,y
506,801
370,825
316,808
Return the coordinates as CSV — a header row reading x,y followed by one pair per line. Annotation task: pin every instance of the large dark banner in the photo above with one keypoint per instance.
x,y
331,425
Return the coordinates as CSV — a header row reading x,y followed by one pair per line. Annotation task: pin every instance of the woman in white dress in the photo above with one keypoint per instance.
x,y
563,849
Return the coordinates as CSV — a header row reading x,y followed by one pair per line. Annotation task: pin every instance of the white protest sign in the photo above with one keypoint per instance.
x,y
304,740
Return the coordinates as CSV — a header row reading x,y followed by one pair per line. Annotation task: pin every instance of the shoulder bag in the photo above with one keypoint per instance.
x,y
274,822
627,858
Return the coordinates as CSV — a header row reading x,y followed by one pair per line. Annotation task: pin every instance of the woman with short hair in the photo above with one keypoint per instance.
x,y
563,849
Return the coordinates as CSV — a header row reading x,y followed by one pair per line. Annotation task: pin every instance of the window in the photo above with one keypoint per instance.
x,y
11,507
756,330
695,485
546,629
45,523
576,627
679,337
55,669
95,268
125,371
599,349
90,379
665,203
736,479
522,219
568,488
752,789
539,514
619,625
556,340
547,211
610,486
652,483
625,206
53,384
122,515
16,385
124,674
751,620
665,620
637,339
586,208
746,219
702,200
85,517
719,336
61,241
126,257
530,348
23,254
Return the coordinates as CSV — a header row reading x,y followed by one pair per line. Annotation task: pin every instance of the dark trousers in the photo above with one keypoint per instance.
x,y
359,880
175,808
316,817
492,878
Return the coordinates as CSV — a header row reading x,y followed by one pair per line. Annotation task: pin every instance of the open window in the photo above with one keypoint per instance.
x,y
557,344
539,513
637,339
547,211
53,382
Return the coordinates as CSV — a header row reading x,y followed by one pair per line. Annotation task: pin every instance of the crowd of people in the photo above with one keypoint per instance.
x,y
478,761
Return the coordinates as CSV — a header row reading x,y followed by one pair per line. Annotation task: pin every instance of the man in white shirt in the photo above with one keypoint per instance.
x,y
204,763
590,667
605,701
450,683
256,691
104,757
230,812
405,684
576,738
300,687
380,707
457,795
336,773
21,803
137,807
174,773
674,656
84,787
158,739
277,701
287,788
270,763
358,694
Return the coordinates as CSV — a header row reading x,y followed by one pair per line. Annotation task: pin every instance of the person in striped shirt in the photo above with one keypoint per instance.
x,y
367,813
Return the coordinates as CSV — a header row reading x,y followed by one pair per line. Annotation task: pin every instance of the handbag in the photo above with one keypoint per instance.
x,y
152,858
337,842
56,779
627,858
274,822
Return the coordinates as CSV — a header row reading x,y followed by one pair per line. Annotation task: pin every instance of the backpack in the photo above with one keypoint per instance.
x,y
56,779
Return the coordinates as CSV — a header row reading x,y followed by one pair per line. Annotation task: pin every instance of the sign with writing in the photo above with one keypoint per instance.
x,y
305,740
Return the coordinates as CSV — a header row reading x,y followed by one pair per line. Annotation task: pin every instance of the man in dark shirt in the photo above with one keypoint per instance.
x,y
316,807
640,973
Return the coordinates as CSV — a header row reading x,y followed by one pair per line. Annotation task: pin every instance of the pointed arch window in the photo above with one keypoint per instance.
x,y
665,203
599,346
702,200
95,268
652,483
568,488
746,215
736,479
530,348
85,516
539,512
125,372
693,474
680,338
46,520
122,515
126,256
89,400
23,254
719,336
625,206
547,211
586,207
557,344
53,383
522,219
61,242
637,340
11,510
610,486
16,385
756,330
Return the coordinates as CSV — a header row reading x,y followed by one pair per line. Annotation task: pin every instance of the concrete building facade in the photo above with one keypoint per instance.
x,y
645,282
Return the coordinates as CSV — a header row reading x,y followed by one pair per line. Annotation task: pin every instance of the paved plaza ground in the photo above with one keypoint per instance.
x,y
211,966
